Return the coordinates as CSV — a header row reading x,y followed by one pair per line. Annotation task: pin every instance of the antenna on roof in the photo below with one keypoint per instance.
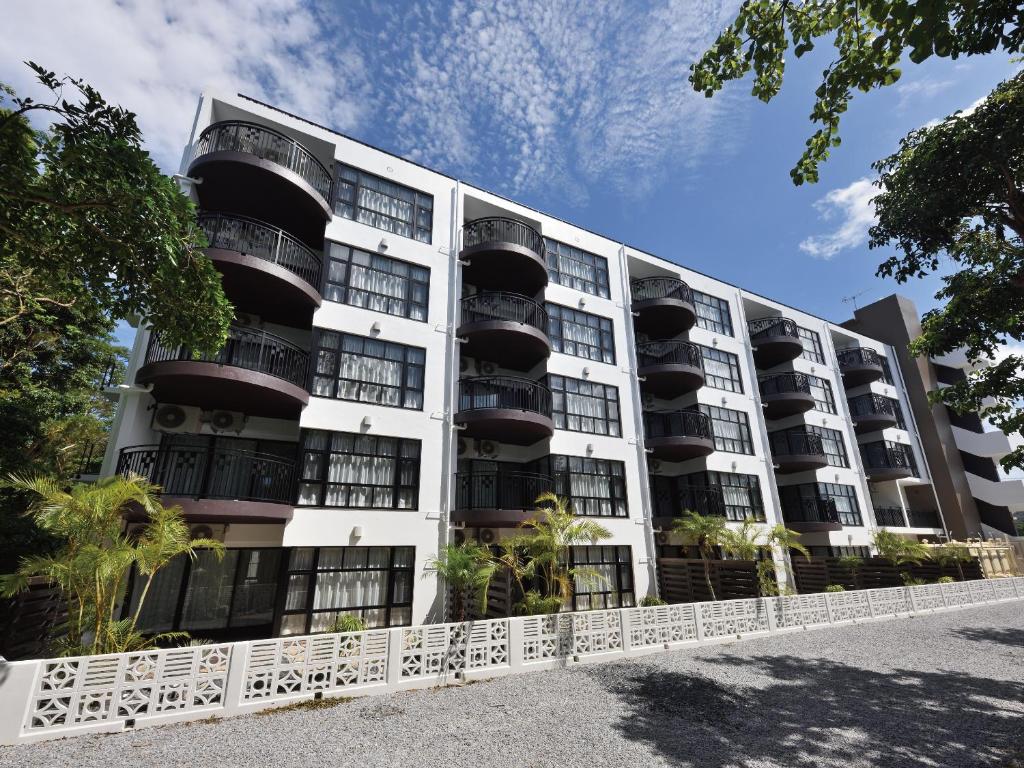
x,y
853,299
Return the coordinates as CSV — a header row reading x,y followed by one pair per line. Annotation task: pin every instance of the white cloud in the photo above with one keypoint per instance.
x,y
155,56
851,206
925,88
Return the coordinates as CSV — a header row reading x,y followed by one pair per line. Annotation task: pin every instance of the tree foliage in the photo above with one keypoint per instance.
x,y
467,569
870,38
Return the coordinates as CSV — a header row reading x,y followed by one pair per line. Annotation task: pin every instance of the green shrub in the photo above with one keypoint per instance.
x,y
911,581
835,588
347,622
648,600
945,580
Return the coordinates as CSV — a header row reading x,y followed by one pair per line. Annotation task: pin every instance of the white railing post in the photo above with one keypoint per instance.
x,y
516,642
769,606
17,686
699,622
626,628
238,670
828,608
871,604
394,673
912,592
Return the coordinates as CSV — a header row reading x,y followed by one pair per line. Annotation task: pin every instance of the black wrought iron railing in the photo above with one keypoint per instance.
x,y
871,405
796,443
924,518
495,229
504,392
858,357
254,238
91,460
704,500
890,516
784,383
212,472
502,305
245,348
669,353
887,455
810,511
677,424
768,327
501,489
650,288
266,144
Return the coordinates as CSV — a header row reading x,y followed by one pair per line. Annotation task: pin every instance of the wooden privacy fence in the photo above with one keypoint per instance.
x,y
682,580
874,573
31,619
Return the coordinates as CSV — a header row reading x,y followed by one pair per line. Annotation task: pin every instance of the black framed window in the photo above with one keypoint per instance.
x,y
382,204
821,389
712,313
580,334
832,442
731,429
836,551
812,345
721,369
366,370
742,494
596,487
584,406
886,370
353,471
845,498
375,282
897,410
614,589
576,268
373,583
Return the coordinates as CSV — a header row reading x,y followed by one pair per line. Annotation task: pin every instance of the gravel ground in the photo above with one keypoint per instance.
x,y
944,690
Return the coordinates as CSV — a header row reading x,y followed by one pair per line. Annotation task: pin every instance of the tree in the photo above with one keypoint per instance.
x,y
952,554
743,543
853,564
91,566
467,569
899,550
870,38
786,541
706,533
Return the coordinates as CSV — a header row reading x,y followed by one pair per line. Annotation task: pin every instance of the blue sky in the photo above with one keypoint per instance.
x,y
580,109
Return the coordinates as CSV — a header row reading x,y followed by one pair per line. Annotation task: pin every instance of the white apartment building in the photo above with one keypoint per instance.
x,y
415,359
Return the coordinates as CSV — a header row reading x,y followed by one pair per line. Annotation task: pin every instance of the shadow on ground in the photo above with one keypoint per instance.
x,y
819,713
1003,636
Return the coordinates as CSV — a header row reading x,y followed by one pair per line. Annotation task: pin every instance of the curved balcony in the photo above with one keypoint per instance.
x,y
796,451
885,461
871,413
812,516
210,480
663,305
785,394
707,501
499,499
859,366
669,368
505,328
775,340
265,270
508,409
503,254
258,171
255,372
678,435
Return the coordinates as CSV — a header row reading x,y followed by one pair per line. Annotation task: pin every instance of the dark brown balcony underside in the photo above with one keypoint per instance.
x,y
263,288
783,404
884,474
770,351
223,387
861,373
670,380
798,462
237,182
508,343
663,318
813,527
498,265
873,422
679,448
221,510
492,518
506,425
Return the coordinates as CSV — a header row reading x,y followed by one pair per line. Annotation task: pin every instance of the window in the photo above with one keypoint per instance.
x,y
596,487
886,370
845,499
731,429
382,204
799,501
368,370
583,406
721,369
898,412
575,268
376,282
832,442
614,588
821,389
712,313
346,470
580,334
812,346
742,495
373,583
734,496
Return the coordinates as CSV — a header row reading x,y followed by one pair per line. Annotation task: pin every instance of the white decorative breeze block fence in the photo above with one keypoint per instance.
x,y
53,698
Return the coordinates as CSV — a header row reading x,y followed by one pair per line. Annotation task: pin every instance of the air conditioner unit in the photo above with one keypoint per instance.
x,y
663,538
486,368
486,536
176,418
648,400
487,449
243,318
463,364
226,421
459,536
463,447
654,464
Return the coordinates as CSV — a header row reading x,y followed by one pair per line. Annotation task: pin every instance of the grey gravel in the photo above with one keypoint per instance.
x,y
941,690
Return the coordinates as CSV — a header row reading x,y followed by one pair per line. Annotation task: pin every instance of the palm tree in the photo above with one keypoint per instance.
x,y
899,550
787,540
707,533
467,569
743,543
952,554
853,564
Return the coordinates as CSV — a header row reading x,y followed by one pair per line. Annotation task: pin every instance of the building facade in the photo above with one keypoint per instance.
x,y
415,359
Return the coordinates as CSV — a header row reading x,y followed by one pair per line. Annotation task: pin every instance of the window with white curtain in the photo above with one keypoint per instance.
x,y
742,494
821,389
366,370
584,406
595,487
580,334
712,313
375,282
575,268
354,471
731,429
832,442
613,586
383,204
721,369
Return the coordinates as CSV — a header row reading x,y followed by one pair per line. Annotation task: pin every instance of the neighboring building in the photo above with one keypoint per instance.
x,y
976,499
416,359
